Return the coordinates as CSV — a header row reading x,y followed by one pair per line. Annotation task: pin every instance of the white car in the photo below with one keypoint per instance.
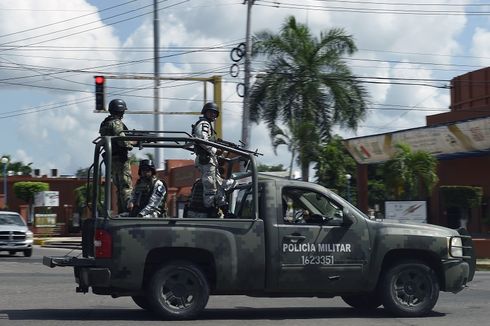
x,y
14,234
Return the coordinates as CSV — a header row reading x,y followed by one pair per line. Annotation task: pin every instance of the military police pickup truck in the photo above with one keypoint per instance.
x,y
285,238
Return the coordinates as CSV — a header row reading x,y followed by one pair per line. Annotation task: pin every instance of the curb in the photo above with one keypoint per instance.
x,y
483,267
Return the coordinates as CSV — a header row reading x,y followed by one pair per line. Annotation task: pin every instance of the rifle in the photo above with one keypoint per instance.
x,y
238,146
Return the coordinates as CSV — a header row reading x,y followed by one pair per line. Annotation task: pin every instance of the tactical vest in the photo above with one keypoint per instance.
x,y
106,129
202,152
143,191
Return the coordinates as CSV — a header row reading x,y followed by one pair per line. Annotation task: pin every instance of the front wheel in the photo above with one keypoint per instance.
x,y
410,289
178,290
142,302
28,253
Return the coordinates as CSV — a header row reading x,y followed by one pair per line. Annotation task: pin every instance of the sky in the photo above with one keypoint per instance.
x,y
50,51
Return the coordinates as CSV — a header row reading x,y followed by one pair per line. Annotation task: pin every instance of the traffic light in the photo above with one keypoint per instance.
x,y
99,93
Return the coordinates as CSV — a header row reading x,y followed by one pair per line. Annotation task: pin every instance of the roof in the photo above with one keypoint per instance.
x,y
452,140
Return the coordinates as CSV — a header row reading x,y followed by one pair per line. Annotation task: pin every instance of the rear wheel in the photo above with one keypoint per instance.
x,y
410,289
178,290
368,301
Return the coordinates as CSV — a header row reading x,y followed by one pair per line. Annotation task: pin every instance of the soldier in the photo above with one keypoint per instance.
x,y
149,194
214,186
121,170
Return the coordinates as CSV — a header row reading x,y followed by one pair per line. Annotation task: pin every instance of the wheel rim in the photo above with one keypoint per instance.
x,y
180,289
412,288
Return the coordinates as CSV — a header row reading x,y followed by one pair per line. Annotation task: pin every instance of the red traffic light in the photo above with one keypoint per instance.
x,y
99,79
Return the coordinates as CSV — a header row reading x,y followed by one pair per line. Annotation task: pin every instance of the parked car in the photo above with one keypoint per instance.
x,y
14,234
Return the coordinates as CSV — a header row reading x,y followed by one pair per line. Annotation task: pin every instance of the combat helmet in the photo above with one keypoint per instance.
x,y
117,106
146,164
210,106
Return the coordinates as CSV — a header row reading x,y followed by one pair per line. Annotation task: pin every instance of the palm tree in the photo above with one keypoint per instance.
x,y
306,85
410,175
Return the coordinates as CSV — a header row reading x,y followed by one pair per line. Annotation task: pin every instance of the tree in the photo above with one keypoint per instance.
x,y
25,190
410,174
306,87
334,163
17,167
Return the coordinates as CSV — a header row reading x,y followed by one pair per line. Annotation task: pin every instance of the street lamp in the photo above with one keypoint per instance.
x,y
5,162
348,177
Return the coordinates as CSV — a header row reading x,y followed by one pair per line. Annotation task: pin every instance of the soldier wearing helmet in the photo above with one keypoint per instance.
x,y
121,170
149,194
214,186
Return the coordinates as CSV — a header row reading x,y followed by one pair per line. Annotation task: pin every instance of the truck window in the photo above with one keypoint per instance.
x,y
304,206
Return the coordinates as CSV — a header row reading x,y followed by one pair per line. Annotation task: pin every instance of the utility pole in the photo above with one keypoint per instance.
x,y
158,119
246,97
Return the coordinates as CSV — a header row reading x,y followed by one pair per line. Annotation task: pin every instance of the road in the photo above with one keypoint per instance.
x,y
33,294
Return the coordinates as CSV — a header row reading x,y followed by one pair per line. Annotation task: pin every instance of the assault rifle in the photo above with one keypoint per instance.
x,y
238,146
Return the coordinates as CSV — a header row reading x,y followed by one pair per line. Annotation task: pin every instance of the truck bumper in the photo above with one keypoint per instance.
x,y
456,275
92,277
87,274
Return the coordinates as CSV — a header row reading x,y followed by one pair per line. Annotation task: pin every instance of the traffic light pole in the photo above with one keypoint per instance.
x,y
215,80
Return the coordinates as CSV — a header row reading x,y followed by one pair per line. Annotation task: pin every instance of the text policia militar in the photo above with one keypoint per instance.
x,y
318,247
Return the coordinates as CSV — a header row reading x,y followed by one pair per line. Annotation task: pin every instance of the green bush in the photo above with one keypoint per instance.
x,y
461,196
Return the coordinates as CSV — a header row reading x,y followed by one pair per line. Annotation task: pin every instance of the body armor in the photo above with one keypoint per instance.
x,y
149,198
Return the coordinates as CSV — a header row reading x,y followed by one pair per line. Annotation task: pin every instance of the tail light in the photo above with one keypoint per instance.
x,y
103,244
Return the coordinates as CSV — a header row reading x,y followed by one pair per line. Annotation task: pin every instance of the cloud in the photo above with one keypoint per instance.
x,y
390,46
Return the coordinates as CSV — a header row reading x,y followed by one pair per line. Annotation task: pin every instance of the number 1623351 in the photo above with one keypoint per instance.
x,y
317,260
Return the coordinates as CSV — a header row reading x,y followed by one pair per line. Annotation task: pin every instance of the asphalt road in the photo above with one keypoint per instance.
x,y
33,294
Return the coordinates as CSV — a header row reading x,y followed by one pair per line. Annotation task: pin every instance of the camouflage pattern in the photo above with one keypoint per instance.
x,y
121,176
149,197
237,249
207,162
346,253
121,169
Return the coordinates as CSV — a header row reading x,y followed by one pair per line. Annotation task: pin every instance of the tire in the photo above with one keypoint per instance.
x,y
178,290
409,289
28,253
368,301
142,302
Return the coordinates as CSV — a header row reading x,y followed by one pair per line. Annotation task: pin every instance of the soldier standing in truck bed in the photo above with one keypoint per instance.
x,y
121,170
214,186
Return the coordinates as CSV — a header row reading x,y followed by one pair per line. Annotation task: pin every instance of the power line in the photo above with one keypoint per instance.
x,y
65,20
84,31
330,8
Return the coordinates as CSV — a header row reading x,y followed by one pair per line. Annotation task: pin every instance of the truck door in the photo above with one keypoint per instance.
x,y
317,252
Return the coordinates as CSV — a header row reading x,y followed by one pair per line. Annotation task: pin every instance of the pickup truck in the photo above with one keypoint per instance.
x,y
285,238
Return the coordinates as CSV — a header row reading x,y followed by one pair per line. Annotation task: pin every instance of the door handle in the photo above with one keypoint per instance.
x,y
295,238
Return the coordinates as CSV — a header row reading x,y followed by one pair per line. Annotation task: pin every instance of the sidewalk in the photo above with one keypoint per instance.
x,y
59,242
76,243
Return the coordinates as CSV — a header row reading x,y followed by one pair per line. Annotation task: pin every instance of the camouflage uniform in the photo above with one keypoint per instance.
x,y
206,161
149,197
121,169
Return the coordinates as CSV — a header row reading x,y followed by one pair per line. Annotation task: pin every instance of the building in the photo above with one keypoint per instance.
x,y
460,139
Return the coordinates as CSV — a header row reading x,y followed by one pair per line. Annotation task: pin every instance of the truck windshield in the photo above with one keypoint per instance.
x,y
11,219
